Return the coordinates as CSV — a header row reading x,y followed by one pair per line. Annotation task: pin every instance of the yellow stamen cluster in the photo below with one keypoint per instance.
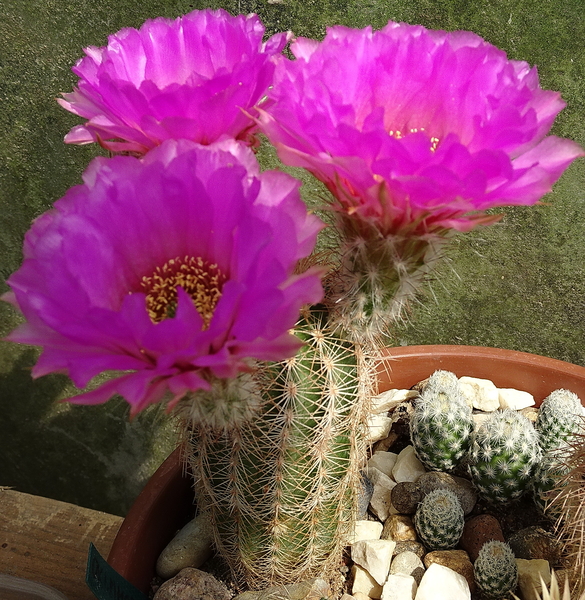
x,y
399,135
202,280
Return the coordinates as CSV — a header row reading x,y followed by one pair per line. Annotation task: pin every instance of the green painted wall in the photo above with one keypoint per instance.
x,y
518,285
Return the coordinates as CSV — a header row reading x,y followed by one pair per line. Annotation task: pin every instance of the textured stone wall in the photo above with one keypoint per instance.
x,y
518,285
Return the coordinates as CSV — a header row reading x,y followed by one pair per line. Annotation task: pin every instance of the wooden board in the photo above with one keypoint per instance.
x,y
47,541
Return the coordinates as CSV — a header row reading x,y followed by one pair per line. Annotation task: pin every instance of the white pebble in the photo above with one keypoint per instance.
x,y
381,500
515,399
482,393
191,547
408,467
442,583
364,583
530,573
383,461
399,587
374,556
378,428
366,530
390,399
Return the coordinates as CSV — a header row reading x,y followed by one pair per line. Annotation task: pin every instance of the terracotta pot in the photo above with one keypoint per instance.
x,y
167,500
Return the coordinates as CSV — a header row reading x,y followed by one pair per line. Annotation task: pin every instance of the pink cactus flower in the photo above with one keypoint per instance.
x,y
171,79
410,127
176,269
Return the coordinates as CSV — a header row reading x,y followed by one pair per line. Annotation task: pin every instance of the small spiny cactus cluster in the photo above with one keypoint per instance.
x,y
441,424
504,455
559,417
379,275
439,520
495,570
559,420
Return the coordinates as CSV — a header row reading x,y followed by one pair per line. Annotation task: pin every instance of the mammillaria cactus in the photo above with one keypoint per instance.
x,y
504,455
439,520
559,417
495,570
441,424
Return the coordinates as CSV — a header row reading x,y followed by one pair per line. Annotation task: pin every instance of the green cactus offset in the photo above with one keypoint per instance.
x,y
558,422
439,520
495,570
503,456
560,416
441,424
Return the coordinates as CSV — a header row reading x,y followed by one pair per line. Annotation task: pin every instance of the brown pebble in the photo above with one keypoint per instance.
x,y
405,497
193,584
477,532
534,542
398,528
409,546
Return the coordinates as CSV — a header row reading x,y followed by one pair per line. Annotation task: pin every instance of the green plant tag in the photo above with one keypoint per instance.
x,y
105,583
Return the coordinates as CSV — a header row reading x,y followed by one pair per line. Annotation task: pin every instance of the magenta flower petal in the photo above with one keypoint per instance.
x,y
177,269
187,78
439,125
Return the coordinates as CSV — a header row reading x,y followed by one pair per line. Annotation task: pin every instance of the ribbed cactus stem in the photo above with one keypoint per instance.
x,y
504,454
439,520
495,570
281,490
380,274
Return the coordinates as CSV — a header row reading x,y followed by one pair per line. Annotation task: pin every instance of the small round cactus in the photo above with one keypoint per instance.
x,y
503,456
439,520
559,417
441,424
495,570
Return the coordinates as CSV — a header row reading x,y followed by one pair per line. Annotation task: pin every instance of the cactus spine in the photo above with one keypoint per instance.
x,y
282,489
503,456
441,424
439,520
495,570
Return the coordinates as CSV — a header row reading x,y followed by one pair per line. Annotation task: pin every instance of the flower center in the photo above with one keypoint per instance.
x,y
398,134
202,280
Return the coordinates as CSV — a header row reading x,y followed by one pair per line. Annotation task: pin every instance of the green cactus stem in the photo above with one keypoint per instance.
x,y
495,570
441,424
281,491
559,417
439,520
